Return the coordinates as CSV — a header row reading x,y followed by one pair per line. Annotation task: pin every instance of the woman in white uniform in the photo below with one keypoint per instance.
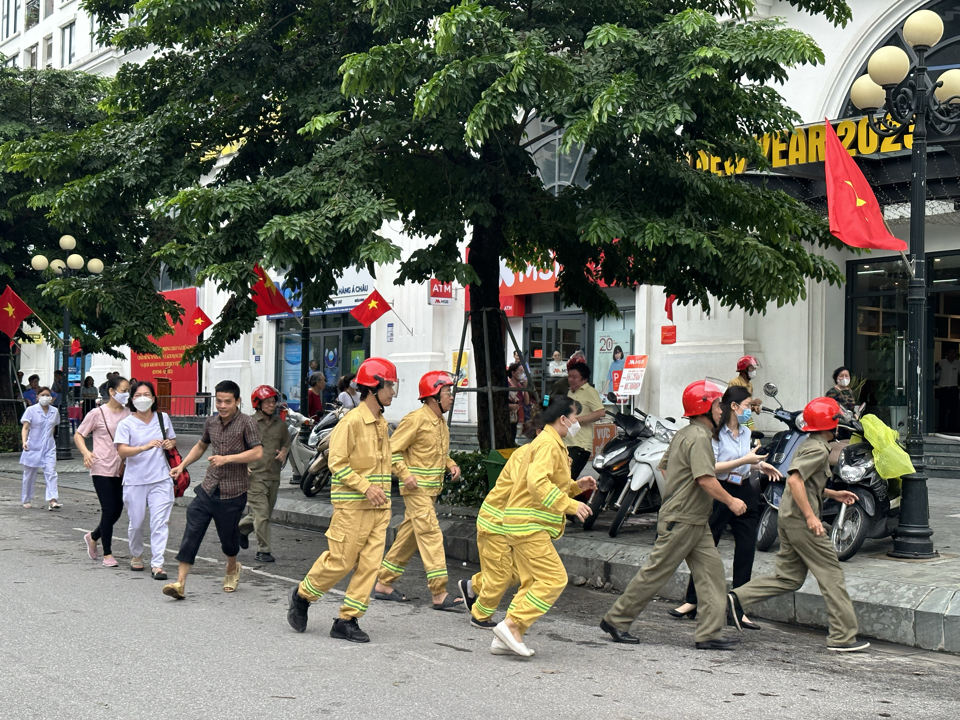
x,y
146,479
39,448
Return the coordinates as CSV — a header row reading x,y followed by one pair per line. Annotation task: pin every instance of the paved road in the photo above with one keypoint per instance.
x,y
80,641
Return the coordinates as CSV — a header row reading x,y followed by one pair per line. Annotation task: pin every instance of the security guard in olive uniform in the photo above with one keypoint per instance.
x,y
803,543
683,529
422,442
360,462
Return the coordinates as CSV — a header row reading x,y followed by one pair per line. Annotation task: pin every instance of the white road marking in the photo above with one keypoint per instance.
x,y
421,657
331,591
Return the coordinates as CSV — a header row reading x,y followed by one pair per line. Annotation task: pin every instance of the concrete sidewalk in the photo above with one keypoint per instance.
x,y
908,602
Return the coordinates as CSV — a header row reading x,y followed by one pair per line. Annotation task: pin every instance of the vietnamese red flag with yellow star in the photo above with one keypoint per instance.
x,y
371,309
13,311
855,215
269,300
75,348
198,322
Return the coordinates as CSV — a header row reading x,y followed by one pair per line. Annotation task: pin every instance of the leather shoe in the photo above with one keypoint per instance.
x,y
718,644
348,630
244,541
265,557
748,625
297,611
619,636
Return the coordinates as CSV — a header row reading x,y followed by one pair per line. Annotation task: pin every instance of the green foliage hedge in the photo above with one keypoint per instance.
x,y
472,488
9,438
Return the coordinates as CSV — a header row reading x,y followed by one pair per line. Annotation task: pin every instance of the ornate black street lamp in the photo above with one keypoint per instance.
x,y
73,264
894,97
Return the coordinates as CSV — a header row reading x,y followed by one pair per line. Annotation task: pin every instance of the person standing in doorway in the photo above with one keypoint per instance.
x,y
360,462
683,530
841,391
580,446
804,545
222,495
349,397
265,472
140,443
105,465
39,449
948,391
422,442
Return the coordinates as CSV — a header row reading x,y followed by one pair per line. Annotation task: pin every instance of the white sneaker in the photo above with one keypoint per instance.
x,y
498,648
509,641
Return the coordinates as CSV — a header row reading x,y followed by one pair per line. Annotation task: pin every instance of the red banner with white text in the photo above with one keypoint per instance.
x,y
183,378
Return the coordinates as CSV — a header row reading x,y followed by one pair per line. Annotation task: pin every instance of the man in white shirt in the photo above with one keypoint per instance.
x,y
948,393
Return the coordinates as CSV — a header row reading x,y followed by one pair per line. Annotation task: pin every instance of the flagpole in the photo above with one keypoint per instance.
x,y
409,330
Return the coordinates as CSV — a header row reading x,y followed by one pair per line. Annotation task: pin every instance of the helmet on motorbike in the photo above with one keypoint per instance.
x,y
746,361
698,397
375,371
821,413
433,382
262,393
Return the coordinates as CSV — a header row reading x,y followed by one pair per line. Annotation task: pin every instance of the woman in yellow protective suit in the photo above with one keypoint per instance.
x,y
534,516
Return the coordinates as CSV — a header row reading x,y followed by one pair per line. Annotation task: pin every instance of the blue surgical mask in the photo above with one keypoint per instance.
x,y
745,417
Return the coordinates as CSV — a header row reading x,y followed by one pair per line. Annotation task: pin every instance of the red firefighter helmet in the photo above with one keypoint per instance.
x,y
698,397
433,382
262,393
821,413
746,361
375,371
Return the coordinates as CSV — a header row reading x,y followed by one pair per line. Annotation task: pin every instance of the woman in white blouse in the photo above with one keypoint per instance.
x,y
348,397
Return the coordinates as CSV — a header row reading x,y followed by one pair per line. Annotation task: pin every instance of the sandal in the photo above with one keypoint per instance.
x,y
27,506
136,564
230,582
158,574
450,604
394,596
54,505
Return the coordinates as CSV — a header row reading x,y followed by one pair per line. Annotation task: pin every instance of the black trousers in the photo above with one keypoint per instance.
x,y
579,457
744,530
110,493
226,516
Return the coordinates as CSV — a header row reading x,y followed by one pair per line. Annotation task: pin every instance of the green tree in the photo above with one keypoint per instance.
x,y
344,115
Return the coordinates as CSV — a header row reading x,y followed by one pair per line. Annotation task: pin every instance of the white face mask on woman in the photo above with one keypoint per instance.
x,y
45,400
143,403
844,382
752,374
573,429
121,397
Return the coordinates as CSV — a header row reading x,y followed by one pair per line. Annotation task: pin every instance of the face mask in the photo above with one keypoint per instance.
x,y
523,378
844,382
121,397
572,430
45,400
745,417
143,403
353,385
752,374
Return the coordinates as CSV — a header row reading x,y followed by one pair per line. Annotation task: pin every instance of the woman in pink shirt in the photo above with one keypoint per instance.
x,y
104,464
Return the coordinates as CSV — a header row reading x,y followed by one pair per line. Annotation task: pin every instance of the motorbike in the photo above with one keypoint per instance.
x,y
317,474
876,512
630,480
779,450
303,444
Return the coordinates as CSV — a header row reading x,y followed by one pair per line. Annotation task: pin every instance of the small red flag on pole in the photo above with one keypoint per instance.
x,y
13,311
371,309
269,300
198,322
75,348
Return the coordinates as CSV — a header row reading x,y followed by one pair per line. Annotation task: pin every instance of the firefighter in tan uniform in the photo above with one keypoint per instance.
x,y
360,462
683,529
533,517
422,442
803,543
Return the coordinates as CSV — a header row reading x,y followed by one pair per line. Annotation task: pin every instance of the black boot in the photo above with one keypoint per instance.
x,y
297,611
619,636
348,630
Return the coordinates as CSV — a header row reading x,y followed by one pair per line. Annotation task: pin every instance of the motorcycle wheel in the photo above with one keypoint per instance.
x,y
628,501
597,501
313,484
767,529
848,538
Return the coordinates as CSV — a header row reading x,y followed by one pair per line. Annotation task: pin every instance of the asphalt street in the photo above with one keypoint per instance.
x,y
82,641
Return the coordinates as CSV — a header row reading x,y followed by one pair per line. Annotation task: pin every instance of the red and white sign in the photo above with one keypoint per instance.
x,y
183,378
441,293
632,377
668,335
602,434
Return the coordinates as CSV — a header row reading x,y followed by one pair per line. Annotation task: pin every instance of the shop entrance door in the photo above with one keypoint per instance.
x,y
544,335
325,349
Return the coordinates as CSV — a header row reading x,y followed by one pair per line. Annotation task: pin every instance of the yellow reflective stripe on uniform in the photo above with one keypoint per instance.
x,y
490,527
436,573
530,512
537,602
488,508
552,496
530,528
426,471
355,604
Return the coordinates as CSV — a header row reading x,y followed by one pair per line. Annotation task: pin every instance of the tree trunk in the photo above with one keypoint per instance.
x,y
485,250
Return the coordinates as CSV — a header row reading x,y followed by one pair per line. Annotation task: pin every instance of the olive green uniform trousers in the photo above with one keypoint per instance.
x,y
675,543
800,551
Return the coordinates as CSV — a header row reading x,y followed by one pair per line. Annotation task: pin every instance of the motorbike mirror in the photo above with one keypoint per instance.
x,y
770,390
612,397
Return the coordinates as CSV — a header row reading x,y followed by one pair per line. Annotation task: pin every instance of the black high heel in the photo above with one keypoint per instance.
x,y
690,614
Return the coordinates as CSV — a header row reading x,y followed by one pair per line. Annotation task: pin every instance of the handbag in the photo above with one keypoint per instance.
x,y
181,482
123,462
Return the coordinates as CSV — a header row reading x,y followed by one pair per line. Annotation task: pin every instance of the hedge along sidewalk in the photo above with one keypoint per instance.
x,y
906,602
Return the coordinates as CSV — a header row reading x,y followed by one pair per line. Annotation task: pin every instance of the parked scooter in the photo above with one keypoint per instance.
x,y
779,451
317,474
303,444
639,490
875,514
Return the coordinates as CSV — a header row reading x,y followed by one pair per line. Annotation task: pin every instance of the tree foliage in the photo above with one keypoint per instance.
x,y
346,114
